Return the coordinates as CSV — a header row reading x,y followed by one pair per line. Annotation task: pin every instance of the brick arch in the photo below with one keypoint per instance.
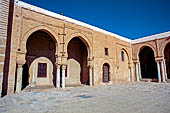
x,y
44,28
142,46
163,46
82,38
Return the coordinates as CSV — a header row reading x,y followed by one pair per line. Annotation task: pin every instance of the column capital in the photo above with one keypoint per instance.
x,y
58,65
90,66
64,66
56,56
129,65
90,58
136,60
20,62
158,59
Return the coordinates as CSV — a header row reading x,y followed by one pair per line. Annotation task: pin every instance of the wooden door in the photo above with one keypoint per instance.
x,y
105,73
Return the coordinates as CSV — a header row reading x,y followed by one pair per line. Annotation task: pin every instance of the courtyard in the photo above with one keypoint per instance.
x,y
141,97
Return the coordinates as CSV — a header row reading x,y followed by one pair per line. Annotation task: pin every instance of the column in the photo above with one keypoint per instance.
x,y
63,76
137,72
58,76
19,78
91,75
139,69
130,75
163,71
159,74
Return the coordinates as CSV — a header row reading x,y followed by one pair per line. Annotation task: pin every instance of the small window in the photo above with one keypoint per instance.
x,y
106,51
122,56
42,70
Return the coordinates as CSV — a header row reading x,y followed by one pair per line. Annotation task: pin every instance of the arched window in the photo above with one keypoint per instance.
x,y
122,55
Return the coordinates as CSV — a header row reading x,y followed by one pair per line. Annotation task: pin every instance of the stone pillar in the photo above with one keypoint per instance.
x,y
58,76
19,78
91,75
130,75
163,71
63,76
137,71
159,73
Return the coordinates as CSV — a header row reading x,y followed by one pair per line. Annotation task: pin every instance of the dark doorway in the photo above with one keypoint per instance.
x,y
39,44
167,59
77,50
25,76
105,73
148,64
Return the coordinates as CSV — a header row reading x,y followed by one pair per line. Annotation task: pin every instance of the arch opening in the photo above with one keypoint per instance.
x,y
77,68
39,44
147,64
106,71
25,76
167,59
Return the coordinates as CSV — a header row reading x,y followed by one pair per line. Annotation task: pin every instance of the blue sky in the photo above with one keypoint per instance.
x,y
129,18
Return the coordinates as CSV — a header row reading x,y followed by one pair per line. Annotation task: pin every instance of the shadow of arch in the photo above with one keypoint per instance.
x,y
143,46
78,51
25,76
83,38
40,44
167,59
43,28
147,63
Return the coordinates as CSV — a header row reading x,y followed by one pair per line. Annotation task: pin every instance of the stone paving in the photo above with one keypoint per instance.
x,y
114,98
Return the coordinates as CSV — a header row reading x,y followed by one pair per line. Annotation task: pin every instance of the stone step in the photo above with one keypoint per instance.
x,y
75,85
148,80
38,88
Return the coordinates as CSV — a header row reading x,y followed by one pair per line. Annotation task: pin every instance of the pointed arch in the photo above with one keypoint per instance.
x,y
163,46
83,38
44,28
143,46
148,64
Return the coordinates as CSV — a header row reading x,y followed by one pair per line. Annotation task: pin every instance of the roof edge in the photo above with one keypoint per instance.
x,y
151,37
55,15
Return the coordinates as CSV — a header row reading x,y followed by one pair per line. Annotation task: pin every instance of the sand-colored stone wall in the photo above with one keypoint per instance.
x,y
158,46
26,22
